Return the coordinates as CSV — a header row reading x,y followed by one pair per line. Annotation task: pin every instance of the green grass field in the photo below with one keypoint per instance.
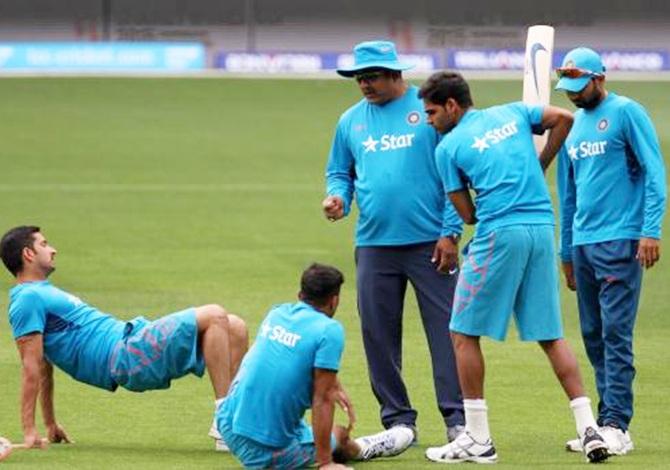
x,y
165,193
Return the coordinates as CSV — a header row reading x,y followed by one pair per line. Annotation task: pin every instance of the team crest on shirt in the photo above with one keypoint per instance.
x,y
603,124
413,118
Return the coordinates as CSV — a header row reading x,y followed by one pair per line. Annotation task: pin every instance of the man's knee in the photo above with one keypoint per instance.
x,y
237,329
211,315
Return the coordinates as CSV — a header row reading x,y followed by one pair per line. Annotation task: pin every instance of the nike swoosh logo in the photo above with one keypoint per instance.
x,y
537,47
453,271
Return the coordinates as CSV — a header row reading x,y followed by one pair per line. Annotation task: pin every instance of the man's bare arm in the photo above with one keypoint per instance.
x,y
462,202
55,431
559,122
326,386
31,350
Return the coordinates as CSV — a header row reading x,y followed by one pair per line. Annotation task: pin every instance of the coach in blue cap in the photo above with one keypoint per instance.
x,y
611,181
383,152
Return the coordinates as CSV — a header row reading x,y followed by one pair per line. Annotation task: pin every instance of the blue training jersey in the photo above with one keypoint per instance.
x,y
77,337
274,386
491,151
611,176
385,155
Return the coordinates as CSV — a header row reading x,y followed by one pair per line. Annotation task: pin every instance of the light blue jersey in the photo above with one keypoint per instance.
x,y
274,385
611,176
492,152
385,154
77,337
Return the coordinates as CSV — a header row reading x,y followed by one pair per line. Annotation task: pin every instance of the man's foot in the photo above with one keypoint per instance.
x,y
454,431
393,441
219,444
594,446
463,449
618,442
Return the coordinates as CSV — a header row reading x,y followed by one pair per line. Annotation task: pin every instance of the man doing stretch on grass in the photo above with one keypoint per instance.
x,y
53,327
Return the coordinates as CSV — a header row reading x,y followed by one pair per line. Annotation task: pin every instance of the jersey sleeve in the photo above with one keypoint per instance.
x,y
27,315
329,351
641,136
567,202
451,176
340,170
533,115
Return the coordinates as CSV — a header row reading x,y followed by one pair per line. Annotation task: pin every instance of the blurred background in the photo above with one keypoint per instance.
x,y
307,36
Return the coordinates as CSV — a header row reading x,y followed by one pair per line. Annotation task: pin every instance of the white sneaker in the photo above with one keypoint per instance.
x,y
454,431
387,443
594,446
618,442
463,449
219,444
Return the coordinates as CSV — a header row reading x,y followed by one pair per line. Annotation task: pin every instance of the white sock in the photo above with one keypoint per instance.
x,y
581,408
477,420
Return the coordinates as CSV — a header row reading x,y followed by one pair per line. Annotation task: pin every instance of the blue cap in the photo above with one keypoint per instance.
x,y
374,54
580,58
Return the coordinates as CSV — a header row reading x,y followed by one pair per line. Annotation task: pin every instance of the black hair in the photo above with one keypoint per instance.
x,y
441,86
12,244
319,283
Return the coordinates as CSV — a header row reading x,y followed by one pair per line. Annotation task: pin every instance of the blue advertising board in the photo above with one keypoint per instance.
x,y
306,62
513,59
102,57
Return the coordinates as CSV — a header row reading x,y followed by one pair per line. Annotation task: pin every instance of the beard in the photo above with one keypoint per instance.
x,y
590,102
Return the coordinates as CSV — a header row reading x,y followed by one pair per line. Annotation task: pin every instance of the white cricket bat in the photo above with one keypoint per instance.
x,y
537,70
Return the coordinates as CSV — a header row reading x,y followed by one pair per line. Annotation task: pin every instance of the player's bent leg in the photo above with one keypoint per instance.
x,y
239,342
213,327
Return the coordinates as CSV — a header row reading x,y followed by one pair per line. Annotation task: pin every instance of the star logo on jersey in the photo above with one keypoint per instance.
x,y
265,329
480,144
413,118
370,144
495,136
572,151
603,124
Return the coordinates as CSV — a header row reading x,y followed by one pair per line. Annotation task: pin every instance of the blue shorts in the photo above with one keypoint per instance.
x,y
300,452
511,270
152,353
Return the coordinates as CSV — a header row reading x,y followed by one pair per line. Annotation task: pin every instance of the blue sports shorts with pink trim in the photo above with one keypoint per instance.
x,y
511,270
152,353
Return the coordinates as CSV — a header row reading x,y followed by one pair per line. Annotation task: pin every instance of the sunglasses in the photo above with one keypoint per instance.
x,y
368,77
573,72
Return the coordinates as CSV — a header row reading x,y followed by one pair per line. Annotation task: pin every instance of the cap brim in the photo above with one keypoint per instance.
x,y
351,71
573,85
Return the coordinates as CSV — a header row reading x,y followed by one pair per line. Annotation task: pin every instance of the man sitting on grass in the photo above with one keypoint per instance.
x,y
51,326
291,367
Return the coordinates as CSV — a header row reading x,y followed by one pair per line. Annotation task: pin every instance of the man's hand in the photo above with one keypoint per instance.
x,y
56,433
648,252
343,400
569,272
333,208
445,255
32,440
